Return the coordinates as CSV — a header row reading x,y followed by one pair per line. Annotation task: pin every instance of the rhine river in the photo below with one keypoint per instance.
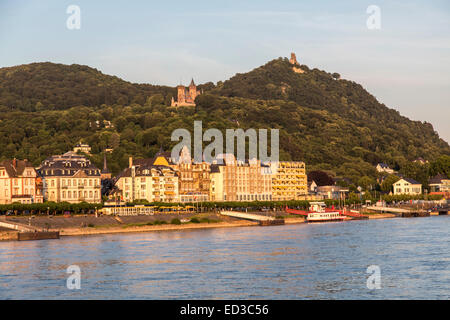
x,y
305,261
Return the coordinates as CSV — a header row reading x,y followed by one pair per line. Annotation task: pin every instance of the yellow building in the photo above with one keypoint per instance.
x,y
289,181
143,180
193,178
238,181
70,178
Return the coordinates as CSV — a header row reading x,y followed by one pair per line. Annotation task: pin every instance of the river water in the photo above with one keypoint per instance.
x,y
305,261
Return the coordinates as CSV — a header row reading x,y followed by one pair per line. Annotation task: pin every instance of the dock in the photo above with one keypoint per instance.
x,y
39,235
24,232
262,220
404,213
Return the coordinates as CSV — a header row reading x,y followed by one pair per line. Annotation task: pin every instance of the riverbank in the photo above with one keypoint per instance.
x,y
8,235
90,225
164,227
231,223
381,215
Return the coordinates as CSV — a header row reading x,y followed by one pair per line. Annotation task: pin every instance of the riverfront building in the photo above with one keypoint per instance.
x,y
407,186
19,182
233,180
143,180
70,178
439,183
289,181
193,178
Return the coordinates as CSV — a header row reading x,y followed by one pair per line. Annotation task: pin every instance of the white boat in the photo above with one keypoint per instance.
x,y
318,213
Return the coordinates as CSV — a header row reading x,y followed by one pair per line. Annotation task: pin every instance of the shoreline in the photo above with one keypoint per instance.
x,y
381,216
86,231
167,227
70,232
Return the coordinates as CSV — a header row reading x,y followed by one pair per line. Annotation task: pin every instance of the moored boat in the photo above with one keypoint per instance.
x,y
319,213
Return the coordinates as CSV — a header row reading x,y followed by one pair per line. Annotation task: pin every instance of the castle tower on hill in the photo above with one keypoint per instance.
x,y
186,96
293,59
296,66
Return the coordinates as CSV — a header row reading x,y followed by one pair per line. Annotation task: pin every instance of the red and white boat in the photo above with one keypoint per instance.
x,y
319,213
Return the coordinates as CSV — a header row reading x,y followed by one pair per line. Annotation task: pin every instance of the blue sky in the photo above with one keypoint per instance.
x,y
405,64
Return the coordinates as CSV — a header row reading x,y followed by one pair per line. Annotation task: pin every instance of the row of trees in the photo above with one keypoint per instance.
x,y
50,208
85,208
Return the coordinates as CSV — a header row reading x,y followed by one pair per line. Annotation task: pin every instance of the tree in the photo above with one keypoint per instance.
x,y
416,171
440,166
387,184
366,182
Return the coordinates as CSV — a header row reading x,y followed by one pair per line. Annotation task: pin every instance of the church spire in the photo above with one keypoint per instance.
x,y
105,165
105,173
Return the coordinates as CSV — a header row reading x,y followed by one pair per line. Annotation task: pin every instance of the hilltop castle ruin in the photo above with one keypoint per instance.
x,y
296,65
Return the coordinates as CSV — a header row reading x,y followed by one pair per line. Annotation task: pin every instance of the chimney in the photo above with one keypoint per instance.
x,y
14,163
130,162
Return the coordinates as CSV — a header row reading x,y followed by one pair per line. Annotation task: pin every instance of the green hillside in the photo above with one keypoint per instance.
x,y
331,124
50,86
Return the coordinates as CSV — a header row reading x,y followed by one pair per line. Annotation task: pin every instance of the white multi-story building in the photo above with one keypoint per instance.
x,y
234,180
70,178
407,186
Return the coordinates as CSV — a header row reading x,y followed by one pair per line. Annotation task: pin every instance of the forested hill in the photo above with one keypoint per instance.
x,y
329,123
45,86
314,89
